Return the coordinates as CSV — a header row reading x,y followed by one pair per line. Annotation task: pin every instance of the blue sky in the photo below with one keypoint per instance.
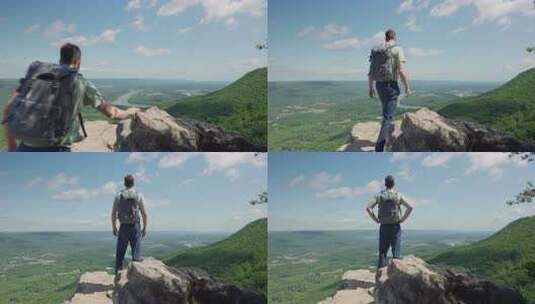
x,y
176,39
450,191
206,192
474,40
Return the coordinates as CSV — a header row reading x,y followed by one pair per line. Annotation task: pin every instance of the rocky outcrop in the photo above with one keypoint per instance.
x,y
427,131
152,282
412,281
155,130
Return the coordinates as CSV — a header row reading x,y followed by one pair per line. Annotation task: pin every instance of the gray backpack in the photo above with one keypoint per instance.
x,y
43,111
389,207
382,63
127,209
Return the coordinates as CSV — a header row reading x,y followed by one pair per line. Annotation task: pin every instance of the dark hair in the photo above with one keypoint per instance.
x,y
129,181
70,53
389,182
390,35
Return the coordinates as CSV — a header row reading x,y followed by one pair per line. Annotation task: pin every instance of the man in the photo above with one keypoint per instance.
x,y
386,66
127,207
72,92
389,217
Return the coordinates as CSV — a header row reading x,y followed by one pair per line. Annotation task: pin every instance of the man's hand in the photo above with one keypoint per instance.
x,y
408,92
143,233
114,231
371,93
132,111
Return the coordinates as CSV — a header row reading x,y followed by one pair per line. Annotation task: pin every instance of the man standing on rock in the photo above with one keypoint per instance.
x,y
127,207
389,203
386,66
44,113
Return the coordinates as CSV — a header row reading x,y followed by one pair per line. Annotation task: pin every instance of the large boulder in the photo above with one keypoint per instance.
x,y
427,131
152,282
412,281
155,130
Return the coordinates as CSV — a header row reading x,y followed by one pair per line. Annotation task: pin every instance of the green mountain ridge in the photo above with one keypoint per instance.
x,y
240,107
507,257
240,259
509,108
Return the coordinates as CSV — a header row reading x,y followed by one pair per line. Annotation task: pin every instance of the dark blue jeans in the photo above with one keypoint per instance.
x,y
25,148
389,237
128,234
388,92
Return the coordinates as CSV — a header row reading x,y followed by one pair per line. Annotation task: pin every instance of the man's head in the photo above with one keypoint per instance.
x,y
390,35
70,55
389,182
129,181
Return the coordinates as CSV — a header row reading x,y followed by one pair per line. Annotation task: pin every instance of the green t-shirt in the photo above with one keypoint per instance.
x,y
85,94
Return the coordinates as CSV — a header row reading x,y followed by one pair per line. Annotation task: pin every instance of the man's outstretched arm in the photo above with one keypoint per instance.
x,y
408,210
10,140
369,209
113,112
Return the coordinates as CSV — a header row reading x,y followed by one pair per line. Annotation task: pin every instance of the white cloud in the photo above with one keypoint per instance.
x,y
186,182
154,203
487,10
343,44
33,28
405,173
306,31
175,160
411,24
296,181
411,5
324,180
437,159
139,23
419,52
185,30
106,37
451,180
348,192
400,156
458,30
418,202
229,163
141,157
492,163
58,28
149,52
61,180
215,10
332,30
138,4
34,182
82,194
231,23
133,5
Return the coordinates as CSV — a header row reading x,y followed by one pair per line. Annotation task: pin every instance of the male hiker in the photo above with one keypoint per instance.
x,y
386,66
44,112
389,216
127,207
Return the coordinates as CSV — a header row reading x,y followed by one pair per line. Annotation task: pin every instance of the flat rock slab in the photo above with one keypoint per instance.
x,y
101,137
364,135
93,288
350,296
